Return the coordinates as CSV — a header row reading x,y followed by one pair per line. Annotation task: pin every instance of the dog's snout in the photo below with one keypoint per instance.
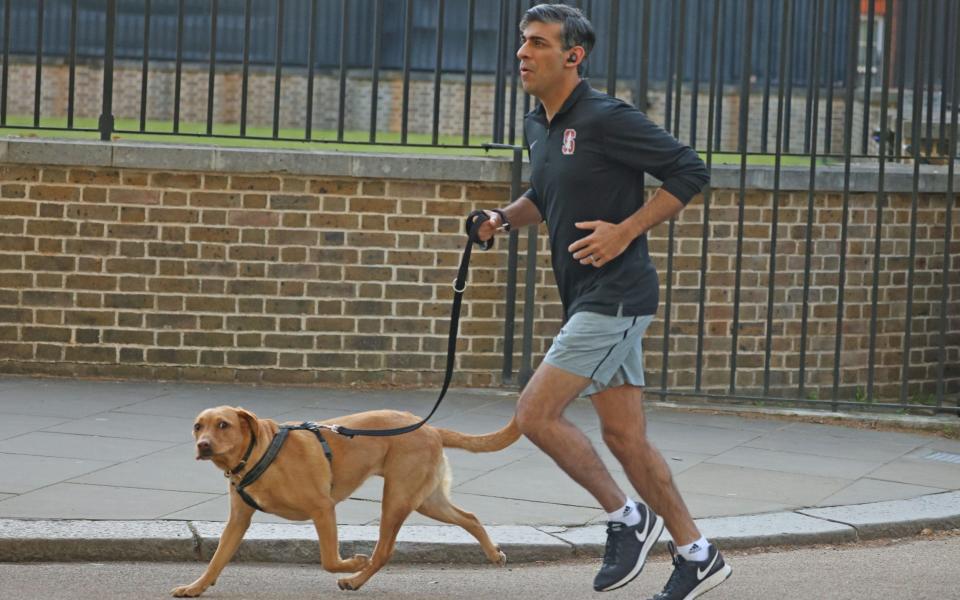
x,y
204,448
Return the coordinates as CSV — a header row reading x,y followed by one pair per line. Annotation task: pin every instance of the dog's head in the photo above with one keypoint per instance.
x,y
223,431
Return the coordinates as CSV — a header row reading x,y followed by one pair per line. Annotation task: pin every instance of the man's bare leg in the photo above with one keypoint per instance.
x,y
540,417
625,433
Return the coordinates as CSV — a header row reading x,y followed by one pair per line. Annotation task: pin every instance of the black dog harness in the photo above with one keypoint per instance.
x,y
269,456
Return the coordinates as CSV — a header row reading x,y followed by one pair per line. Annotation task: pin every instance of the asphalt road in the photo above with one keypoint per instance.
x,y
918,568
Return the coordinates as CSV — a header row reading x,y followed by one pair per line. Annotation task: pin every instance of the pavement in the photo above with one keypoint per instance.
x,y
104,470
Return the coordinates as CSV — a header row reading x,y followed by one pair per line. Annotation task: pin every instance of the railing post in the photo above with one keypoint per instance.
x,y
510,309
106,115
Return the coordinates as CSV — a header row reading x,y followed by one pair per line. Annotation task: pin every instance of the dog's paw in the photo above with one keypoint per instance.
x,y
187,591
347,584
502,560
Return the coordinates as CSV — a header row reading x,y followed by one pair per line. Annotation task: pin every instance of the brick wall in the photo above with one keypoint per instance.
x,y
297,278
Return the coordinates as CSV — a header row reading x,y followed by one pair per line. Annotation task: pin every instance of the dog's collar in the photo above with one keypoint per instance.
x,y
243,461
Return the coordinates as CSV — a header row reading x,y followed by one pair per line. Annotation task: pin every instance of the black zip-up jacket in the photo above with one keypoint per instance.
x,y
588,164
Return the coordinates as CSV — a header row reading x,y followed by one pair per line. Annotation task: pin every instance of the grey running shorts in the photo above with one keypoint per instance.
x,y
603,348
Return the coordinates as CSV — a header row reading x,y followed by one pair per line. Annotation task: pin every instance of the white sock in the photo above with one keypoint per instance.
x,y
626,514
698,551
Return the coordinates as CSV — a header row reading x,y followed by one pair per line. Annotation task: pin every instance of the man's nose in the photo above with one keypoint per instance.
x,y
522,51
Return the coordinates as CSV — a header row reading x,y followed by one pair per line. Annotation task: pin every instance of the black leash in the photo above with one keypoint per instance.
x,y
471,226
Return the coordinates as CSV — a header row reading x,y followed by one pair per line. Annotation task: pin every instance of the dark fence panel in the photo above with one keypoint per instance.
x,y
296,40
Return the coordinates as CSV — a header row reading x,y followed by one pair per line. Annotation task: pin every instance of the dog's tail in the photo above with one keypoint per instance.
x,y
488,442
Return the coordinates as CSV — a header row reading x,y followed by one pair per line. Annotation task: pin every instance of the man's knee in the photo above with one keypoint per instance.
x,y
625,440
530,421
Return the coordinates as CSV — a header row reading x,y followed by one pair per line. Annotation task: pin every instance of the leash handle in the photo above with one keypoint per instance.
x,y
472,226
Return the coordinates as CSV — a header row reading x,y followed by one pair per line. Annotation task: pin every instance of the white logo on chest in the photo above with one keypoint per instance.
x,y
569,141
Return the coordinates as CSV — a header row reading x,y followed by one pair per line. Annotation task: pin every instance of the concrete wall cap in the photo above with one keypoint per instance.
x,y
899,178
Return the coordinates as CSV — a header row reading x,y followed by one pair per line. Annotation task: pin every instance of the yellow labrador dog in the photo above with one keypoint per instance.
x,y
303,483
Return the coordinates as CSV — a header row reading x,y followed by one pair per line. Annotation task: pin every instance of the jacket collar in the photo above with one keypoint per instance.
x,y
578,92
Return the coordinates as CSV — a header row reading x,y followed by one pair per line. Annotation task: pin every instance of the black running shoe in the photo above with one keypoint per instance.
x,y
627,549
692,579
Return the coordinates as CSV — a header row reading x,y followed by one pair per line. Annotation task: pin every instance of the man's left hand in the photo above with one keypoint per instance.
x,y
607,242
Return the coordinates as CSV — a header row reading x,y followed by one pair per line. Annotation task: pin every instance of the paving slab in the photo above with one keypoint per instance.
x,y
715,420
920,472
791,462
76,501
12,425
854,448
21,473
68,445
710,505
759,484
873,490
129,426
173,469
695,438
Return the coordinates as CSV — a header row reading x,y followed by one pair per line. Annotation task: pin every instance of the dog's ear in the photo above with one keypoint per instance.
x,y
250,418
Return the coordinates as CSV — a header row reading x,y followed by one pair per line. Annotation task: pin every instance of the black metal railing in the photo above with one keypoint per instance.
x,y
659,54
798,84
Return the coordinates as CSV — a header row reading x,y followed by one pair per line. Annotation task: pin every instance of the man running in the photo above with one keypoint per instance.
x,y
588,155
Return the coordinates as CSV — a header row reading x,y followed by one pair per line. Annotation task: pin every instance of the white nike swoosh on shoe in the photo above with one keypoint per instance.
x,y
703,573
642,537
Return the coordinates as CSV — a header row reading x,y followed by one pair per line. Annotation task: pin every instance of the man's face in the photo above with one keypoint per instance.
x,y
542,58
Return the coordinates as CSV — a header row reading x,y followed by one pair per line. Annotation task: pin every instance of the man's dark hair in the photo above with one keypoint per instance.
x,y
575,29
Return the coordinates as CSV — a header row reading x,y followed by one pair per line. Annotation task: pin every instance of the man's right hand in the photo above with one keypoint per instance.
x,y
489,227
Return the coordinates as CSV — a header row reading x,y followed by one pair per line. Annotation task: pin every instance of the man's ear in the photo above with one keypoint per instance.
x,y
250,418
576,55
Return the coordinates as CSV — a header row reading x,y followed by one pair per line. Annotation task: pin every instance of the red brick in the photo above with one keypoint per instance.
x,y
376,205
133,196
95,195
132,231
174,215
214,234
54,192
241,182
94,177
13,191
18,209
52,227
19,173
406,189
292,202
215,199
17,243
51,263
175,180
332,186
250,218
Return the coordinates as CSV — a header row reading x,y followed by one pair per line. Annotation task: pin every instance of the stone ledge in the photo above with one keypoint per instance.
x,y
899,178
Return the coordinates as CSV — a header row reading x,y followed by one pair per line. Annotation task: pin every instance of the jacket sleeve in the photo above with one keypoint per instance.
x,y
632,139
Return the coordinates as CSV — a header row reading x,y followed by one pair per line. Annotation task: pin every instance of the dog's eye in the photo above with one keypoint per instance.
x,y
196,426
223,424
